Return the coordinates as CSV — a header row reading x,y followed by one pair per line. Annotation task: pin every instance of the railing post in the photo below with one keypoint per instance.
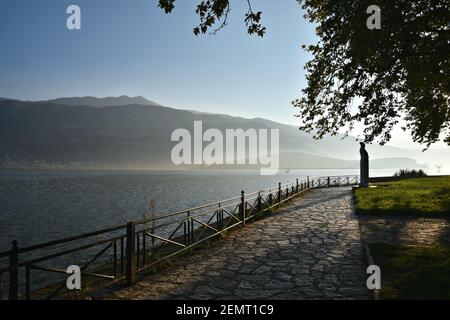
x,y
296,187
14,272
259,202
328,181
188,223
115,258
185,232
27,282
221,219
131,270
218,217
242,207
279,192
192,231
307,182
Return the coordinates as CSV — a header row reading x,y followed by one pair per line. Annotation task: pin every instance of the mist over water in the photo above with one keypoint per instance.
x,y
42,206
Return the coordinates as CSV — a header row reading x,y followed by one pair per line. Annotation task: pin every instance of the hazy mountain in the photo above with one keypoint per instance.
x,y
296,160
306,161
102,102
138,135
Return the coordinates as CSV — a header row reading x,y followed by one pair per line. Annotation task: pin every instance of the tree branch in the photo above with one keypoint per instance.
x,y
224,22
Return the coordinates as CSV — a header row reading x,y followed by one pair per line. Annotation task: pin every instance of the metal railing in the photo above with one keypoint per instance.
x,y
121,252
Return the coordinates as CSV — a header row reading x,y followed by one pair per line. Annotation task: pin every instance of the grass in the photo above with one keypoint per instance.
x,y
421,196
413,272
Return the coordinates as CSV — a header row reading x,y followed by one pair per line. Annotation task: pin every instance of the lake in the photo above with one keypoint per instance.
x,y
41,206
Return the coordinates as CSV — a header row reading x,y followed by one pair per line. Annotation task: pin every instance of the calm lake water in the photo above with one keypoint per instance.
x,y
41,206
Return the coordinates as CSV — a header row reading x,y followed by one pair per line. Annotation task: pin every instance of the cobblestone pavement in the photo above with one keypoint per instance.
x,y
310,249
405,230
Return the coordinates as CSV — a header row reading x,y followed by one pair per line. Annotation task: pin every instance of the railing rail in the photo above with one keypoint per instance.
x,y
123,250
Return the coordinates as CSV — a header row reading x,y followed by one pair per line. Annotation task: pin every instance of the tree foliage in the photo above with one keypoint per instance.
x,y
399,71
213,14
375,77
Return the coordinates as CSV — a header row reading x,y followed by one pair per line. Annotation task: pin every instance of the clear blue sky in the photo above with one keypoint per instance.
x,y
133,48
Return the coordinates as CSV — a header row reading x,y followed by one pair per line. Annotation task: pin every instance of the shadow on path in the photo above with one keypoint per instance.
x,y
310,249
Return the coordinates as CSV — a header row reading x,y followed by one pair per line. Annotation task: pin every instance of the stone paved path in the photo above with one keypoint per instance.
x,y
311,249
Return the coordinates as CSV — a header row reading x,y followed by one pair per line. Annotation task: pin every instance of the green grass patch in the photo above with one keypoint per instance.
x,y
413,272
422,196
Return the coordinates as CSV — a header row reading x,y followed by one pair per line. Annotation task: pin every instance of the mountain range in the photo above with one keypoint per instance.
x,y
134,133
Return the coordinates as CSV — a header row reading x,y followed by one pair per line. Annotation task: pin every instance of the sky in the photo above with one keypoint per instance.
x,y
133,48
